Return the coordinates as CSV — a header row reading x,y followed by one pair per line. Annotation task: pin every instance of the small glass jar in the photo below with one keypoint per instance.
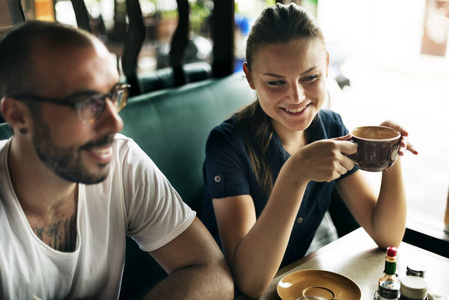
x,y
414,288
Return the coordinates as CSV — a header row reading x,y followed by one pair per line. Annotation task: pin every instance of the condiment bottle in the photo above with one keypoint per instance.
x,y
389,284
413,288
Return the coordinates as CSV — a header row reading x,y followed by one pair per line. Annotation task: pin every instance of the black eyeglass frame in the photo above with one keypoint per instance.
x,y
116,90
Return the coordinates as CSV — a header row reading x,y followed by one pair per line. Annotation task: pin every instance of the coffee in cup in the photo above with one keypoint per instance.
x,y
377,147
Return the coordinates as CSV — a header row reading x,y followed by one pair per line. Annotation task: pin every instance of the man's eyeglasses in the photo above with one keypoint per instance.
x,y
89,107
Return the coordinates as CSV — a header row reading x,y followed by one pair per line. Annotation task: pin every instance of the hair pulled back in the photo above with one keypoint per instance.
x,y
280,24
277,24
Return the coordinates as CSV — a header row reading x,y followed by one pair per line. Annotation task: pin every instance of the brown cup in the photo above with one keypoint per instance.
x,y
377,147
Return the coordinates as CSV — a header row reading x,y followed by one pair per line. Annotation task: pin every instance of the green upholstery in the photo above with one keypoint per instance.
x,y
172,126
5,131
163,78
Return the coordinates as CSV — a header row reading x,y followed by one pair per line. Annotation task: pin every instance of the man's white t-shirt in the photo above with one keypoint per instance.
x,y
136,200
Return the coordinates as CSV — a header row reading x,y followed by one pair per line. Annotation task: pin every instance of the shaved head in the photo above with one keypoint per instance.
x,y
19,46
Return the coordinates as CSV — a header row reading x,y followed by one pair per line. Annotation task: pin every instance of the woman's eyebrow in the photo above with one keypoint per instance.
x,y
280,76
309,70
273,75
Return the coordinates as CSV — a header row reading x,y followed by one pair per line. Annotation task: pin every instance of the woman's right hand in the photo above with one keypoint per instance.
x,y
324,160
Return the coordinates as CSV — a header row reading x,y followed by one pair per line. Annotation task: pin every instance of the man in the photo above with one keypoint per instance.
x,y
71,188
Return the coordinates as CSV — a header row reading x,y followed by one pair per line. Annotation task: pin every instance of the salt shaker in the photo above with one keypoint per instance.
x,y
414,288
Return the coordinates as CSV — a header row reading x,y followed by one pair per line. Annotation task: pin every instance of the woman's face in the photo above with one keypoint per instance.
x,y
290,80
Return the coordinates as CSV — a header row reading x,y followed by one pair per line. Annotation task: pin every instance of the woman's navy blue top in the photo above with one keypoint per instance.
x,y
228,172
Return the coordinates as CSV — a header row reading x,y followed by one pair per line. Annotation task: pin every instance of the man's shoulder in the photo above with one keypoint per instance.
x,y
4,148
128,152
122,142
121,138
3,143
124,147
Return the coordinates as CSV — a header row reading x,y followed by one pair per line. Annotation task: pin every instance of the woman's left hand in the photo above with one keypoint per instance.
x,y
404,145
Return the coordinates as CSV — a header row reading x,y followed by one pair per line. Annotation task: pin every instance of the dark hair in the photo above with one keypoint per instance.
x,y
280,24
17,47
277,24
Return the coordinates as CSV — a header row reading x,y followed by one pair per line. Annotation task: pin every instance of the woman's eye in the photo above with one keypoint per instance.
x,y
275,83
310,78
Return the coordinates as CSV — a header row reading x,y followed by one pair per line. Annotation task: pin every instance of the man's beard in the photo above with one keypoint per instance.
x,y
66,162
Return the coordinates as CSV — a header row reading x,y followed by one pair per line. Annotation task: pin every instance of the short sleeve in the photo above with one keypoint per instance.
x,y
155,212
226,168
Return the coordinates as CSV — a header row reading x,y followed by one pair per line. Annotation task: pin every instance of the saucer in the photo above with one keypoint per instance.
x,y
319,283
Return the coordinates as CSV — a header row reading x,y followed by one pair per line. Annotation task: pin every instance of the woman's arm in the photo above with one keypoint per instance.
x,y
254,248
382,216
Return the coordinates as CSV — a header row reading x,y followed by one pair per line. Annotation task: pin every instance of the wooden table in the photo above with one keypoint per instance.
x,y
357,257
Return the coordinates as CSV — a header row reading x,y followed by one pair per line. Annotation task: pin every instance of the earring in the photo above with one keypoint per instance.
x,y
23,130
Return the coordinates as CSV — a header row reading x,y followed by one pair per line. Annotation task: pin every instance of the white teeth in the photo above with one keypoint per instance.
x,y
101,151
295,111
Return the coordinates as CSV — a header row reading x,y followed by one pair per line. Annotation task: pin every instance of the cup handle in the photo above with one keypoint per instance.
x,y
351,156
393,154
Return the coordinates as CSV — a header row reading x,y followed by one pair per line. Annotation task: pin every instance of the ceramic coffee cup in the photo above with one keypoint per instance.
x,y
377,147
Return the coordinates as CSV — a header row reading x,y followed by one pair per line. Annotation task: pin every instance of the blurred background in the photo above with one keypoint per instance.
x,y
389,60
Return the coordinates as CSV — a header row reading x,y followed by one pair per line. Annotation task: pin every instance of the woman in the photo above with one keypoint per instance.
x,y
271,168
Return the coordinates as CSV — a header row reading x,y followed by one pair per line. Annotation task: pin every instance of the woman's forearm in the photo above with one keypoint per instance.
x,y
259,255
390,212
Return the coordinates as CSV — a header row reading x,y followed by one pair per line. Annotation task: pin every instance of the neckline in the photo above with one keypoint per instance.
x,y
24,221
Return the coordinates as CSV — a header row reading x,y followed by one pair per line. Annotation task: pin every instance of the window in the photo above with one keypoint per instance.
x,y
395,74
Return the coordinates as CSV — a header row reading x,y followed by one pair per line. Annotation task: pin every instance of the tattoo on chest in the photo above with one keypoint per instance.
x,y
60,236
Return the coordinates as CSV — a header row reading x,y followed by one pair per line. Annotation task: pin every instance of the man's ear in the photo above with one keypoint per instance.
x,y
13,112
248,76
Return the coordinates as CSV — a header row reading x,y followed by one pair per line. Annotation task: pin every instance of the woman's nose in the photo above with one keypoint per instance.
x,y
297,93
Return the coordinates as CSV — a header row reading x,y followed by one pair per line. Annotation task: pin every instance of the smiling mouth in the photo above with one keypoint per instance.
x,y
104,151
295,111
101,154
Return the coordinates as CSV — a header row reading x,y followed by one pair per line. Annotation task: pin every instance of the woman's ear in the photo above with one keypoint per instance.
x,y
248,76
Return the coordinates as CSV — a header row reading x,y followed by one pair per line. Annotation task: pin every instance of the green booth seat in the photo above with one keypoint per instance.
x,y
172,126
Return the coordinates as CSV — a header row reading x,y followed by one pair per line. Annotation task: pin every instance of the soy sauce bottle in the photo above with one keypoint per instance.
x,y
389,284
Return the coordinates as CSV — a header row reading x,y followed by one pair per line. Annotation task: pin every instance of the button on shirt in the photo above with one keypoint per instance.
x,y
228,172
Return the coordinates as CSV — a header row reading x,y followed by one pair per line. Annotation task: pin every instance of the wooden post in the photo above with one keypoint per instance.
x,y
223,35
179,43
81,14
16,11
135,35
